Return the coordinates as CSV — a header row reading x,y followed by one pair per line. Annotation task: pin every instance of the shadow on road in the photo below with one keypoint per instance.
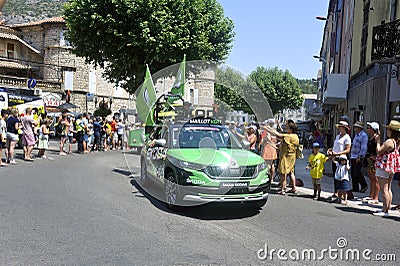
x,y
123,172
210,211
361,211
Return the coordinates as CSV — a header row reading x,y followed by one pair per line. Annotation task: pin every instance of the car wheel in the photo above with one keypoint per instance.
x,y
171,189
143,173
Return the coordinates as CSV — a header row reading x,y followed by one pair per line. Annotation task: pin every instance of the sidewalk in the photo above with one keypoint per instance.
x,y
327,187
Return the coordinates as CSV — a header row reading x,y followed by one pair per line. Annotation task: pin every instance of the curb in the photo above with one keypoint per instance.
x,y
356,203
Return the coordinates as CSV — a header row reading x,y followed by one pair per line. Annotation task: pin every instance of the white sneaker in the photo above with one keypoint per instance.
x,y
366,199
381,214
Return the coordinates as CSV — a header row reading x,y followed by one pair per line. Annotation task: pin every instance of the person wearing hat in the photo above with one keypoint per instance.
x,y
373,131
341,146
287,154
342,178
357,154
252,137
316,161
387,163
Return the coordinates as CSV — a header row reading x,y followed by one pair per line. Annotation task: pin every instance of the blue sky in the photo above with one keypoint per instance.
x,y
277,33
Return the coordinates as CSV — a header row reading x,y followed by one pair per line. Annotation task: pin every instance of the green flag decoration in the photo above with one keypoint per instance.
x,y
179,85
145,99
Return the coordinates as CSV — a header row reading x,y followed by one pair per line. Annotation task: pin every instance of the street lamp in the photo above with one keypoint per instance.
x,y
321,59
325,19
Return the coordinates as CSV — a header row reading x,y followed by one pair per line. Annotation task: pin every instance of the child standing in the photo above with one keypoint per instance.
x,y
316,162
44,138
342,176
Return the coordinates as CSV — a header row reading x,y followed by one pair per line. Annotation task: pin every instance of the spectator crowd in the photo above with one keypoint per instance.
x,y
279,146
31,129
350,157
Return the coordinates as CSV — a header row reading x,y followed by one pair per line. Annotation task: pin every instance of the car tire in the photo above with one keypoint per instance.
x,y
171,189
143,173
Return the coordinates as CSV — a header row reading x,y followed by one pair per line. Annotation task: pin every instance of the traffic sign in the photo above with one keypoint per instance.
x,y
31,83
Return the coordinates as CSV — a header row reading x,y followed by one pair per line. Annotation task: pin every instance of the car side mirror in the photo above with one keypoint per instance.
x,y
143,137
161,142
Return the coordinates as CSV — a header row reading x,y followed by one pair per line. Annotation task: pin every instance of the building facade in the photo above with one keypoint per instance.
x,y
367,57
335,56
38,50
306,111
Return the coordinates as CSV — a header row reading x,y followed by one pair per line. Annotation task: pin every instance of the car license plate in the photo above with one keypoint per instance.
x,y
234,184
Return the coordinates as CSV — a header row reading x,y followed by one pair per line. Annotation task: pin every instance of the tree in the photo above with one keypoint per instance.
x,y
122,36
229,84
235,91
279,87
308,86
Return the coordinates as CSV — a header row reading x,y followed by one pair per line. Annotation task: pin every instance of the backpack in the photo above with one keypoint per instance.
x,y
389,161
299,151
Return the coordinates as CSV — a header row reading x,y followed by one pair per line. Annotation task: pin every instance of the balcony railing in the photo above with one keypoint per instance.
x,y
386,41
21,83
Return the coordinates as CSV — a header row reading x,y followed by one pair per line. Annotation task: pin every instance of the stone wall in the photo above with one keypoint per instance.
x,y
58,58
203,82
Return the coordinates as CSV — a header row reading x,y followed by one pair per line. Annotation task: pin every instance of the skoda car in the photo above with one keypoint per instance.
x,y
201,161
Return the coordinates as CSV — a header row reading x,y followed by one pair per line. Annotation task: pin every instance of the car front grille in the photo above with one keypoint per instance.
x,y
242,171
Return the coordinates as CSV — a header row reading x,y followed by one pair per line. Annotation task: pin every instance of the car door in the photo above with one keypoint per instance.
x,y
156,154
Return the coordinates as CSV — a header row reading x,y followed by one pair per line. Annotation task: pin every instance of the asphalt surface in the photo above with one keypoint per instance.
x,y
328,188
88,210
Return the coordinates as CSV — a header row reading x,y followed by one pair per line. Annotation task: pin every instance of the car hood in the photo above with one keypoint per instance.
x,y
208,156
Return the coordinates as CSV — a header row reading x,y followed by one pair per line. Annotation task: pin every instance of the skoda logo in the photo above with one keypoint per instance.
x,y
233,164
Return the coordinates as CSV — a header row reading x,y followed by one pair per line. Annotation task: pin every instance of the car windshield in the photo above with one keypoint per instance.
x,y
204,137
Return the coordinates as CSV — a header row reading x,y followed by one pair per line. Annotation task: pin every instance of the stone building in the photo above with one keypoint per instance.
x,y
38,50
199,87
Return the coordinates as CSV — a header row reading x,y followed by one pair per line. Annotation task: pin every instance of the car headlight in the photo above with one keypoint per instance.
x,y
261,167
186,164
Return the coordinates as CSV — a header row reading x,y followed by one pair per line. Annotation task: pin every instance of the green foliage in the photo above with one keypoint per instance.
x,y
279,87
229,84
308,86
124,35
20,11
102,111
235,91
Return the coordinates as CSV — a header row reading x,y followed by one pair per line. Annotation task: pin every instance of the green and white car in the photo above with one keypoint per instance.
x,y
202,161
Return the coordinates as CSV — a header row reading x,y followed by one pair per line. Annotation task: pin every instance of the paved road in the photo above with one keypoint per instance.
x,y
87,209
327,187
